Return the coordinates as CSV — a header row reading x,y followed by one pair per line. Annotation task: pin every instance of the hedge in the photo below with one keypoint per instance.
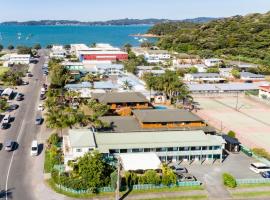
x,y
229,180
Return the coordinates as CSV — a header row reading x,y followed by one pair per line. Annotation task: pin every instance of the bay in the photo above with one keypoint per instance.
x,y
44,35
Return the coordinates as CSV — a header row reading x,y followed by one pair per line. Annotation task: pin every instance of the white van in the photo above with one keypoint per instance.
x,y
6,118
259,167
34,148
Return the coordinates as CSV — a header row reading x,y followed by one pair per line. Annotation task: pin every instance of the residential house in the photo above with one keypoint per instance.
x,y
157,56
212,62
251,77
204,77
264,92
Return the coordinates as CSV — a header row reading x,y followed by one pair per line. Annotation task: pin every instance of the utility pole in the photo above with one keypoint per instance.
x,y
118,179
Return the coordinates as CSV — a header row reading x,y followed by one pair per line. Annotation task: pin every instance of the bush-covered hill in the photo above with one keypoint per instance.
x,y
244,37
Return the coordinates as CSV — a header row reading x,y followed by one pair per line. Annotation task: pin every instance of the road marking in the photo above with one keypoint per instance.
x,y
10,164
13,153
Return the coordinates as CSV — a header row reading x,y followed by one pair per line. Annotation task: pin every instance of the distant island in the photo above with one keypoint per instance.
x,y
120,22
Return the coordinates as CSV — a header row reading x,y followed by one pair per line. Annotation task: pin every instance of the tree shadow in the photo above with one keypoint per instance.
x,y
127,193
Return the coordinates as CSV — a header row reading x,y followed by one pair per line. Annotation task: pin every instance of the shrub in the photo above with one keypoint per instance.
x,y
231,134
152,177
54,139
229,180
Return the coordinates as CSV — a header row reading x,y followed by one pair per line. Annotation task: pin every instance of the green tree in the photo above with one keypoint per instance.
x,y
24,50
67,46
127,85
127,47
147,44
37,46
213,70
235,73
3,105
231,134
49,46
168,176
54,139
10,47
59,75
93,170
192,70
1,47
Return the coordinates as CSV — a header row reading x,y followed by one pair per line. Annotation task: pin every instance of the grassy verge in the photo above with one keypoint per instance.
x,y
253,185
134,192
173,189
251,194
194,197
47,162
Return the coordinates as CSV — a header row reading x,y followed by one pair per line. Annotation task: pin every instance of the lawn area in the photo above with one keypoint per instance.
x,y
3,70
194,197
253,185
251,194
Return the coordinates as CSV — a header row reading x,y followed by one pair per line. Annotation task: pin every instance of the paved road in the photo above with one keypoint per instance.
x,y
16,167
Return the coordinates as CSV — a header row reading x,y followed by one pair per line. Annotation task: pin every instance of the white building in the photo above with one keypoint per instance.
x,y
157,56
152,71
19,59
77,143
247,76
58,51
203,77
212,62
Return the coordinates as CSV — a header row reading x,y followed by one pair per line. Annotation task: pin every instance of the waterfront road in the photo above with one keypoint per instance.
x,y
16,167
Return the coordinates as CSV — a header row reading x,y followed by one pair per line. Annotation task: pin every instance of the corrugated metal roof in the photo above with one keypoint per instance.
x,y
81,138
158,139
167,115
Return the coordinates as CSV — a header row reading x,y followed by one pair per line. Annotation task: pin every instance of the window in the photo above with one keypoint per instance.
x,y
123,150
90,149
135,150
146,150
216,147
204,148
193,148
78,150
181,148
172,148
210,147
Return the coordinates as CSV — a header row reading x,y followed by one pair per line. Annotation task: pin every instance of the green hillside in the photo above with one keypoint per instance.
x,y
244,37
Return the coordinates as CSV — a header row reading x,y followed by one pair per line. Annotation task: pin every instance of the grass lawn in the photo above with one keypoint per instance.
x,y
253,185
251,194
194,197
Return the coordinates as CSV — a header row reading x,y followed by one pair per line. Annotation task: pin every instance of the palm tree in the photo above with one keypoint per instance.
x,y
127,85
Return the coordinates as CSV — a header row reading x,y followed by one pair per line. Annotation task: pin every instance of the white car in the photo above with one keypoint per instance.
x,y
6,118
259,167
40,107
34,148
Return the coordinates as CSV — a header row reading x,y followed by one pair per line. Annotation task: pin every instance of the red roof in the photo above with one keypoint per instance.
x,y
265,88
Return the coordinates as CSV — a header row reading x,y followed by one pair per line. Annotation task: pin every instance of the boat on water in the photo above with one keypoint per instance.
x,y
136,38
19,36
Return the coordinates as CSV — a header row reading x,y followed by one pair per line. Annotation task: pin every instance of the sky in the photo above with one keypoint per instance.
x,y
93,10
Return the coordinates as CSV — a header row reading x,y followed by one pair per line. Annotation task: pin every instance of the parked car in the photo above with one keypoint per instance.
x,y
29,74
19,97
6,118
34,148
45,73
186,177
40,107
25,82
4,126
259,167
42,96
13,107
178,169
10,145
266,174
38,121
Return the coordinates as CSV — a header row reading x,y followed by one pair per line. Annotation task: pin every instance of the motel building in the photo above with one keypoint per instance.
x,y
169,146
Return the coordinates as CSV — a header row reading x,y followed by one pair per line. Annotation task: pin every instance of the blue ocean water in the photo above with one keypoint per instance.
x,y
44,35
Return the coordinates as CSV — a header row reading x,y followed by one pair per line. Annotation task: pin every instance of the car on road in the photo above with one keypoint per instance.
x,y
19,97
259,167
266,174
178,169
6,118
9,145
4,126
40,107
13,107
45,73
34,148
38,121
186,177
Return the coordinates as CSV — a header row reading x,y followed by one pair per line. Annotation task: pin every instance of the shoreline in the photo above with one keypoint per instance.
x,y
146,35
